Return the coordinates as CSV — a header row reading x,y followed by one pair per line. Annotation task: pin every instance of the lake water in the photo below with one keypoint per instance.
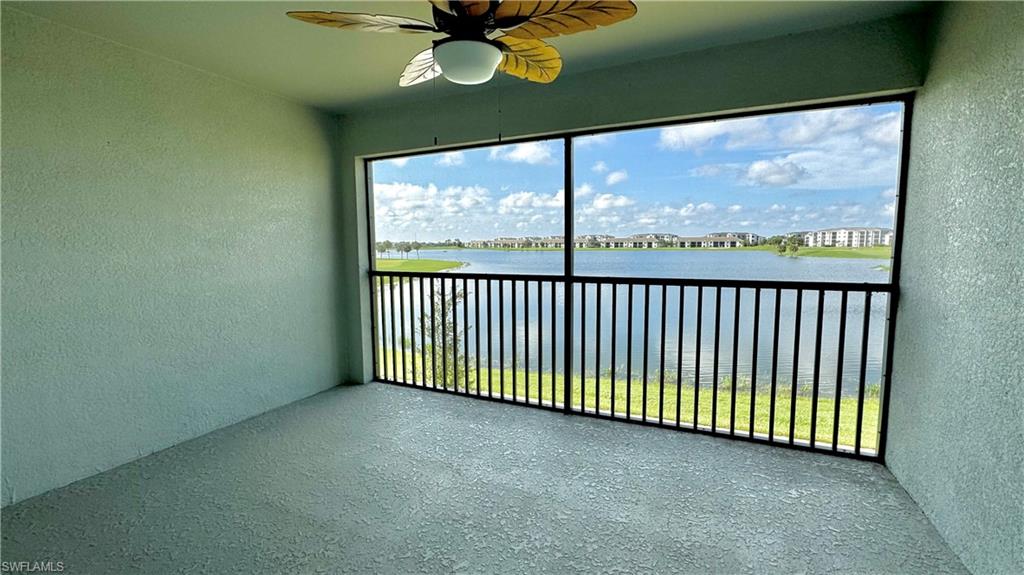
x,y
535,327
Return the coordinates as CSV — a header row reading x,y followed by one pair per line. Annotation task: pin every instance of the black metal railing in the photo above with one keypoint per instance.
x,y
800,364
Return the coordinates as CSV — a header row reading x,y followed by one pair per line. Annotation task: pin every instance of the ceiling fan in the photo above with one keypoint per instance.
x,y
470,53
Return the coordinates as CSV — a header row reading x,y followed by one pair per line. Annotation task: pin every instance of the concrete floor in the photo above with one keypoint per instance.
x,y
381,479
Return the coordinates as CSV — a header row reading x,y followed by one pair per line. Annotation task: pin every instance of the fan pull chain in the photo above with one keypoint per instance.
x,y
499,112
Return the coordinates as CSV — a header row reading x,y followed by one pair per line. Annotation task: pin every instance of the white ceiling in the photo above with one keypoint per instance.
x,y
254,43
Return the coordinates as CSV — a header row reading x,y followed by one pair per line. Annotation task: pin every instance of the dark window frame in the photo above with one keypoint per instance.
x,y
570,277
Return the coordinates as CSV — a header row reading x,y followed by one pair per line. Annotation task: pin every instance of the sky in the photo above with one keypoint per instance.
x,y
765,174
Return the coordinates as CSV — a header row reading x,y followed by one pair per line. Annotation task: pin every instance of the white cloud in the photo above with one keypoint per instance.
x,y
889,193
606,201
525,202
527,152
712,170
886,130
398,162
449,159
616,177
738,133
701,208
814,126
774,173
595,140
454,199
734,208
401,204
599,168
583,190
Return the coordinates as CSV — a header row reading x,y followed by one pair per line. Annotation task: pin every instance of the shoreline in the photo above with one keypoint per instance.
x,y
874,252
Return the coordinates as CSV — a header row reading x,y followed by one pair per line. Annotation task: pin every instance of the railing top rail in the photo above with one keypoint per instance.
x,y
687,282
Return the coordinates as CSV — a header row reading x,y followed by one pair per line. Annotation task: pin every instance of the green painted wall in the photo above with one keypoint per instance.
x,y
168,254
956,426
873,58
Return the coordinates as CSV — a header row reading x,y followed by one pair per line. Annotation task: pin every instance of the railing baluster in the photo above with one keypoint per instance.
x,y
753,361
597,354
444,336
394,341
714,367
456,334
839,370
540,342
465,329
490,339
401,310
526,338
515,341
423,334
583,347
554,350
735,357
374,330
412,332
401,320
629,352
501,336
796,365
382,328
476,348
647,333
696,355
679,356
865,334
433,335
615,328
816,376
775,366
661,368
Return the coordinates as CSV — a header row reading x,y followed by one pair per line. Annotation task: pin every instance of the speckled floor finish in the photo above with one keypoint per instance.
x,y
381,479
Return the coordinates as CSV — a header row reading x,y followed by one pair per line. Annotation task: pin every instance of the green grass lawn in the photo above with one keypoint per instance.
x,y
415,265
874,252
539,386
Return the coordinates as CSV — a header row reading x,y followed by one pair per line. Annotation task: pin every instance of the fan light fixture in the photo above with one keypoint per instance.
x,y
467,61
484,36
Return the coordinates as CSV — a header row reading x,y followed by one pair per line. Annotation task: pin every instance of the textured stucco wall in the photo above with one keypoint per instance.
x,y
168,254
877,57
956,426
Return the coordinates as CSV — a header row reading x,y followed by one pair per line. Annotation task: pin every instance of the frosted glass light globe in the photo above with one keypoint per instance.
x,y
467,61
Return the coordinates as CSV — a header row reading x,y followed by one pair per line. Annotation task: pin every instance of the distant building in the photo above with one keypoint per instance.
x,y
635,241
848,237
750,239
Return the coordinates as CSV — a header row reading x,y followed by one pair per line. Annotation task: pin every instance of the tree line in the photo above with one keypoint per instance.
x,y
784,244
385,247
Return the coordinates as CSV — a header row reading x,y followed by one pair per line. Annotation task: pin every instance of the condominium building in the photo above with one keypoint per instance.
x,y
635,241
848,237
750,239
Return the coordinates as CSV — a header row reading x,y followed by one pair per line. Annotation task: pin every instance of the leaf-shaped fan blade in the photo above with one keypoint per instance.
x,y
535,19
363,22
533,60
420,69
